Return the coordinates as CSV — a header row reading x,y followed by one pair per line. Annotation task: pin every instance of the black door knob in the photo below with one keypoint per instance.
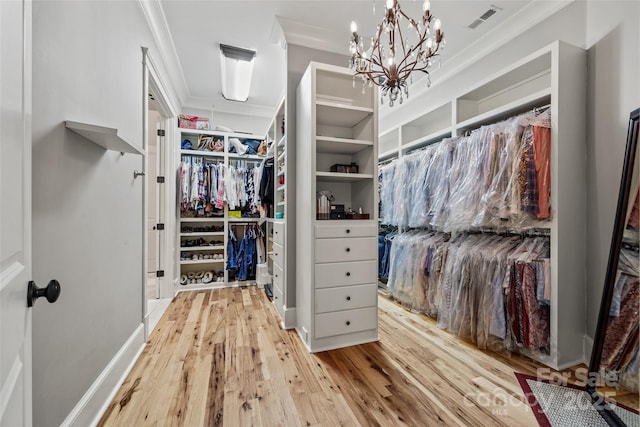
x,y
348,274
348,249
51,292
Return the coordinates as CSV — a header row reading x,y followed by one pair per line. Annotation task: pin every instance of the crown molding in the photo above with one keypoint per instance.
x,y
157,22
521,21
313,37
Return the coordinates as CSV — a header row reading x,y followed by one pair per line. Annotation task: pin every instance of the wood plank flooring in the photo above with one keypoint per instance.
x,y
219,358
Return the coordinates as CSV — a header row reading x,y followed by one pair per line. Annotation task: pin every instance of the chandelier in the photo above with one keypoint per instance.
x,y
392,56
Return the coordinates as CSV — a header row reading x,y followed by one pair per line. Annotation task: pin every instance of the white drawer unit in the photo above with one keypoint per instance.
x,y
278,276
278,254
278,233
278,300
346,322
346,273
351,249
346,298
346,229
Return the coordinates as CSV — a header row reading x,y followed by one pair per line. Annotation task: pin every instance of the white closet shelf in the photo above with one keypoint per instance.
x,y
202,261
105,137
281,188
219,219
281,156
282,172
201,248
341,115
281,203
507,110
282,141
342,177
241,220
204,233
328,144
387,155
202,153
236,156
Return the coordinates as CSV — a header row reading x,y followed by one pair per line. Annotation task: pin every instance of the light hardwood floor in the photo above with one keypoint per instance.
x,y
219,358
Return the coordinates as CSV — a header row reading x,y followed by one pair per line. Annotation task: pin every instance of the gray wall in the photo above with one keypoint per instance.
x,y
87,208
608,30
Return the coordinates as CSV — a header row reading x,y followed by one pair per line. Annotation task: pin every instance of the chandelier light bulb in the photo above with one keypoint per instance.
x,y
389,4
354,27
437,24
426,6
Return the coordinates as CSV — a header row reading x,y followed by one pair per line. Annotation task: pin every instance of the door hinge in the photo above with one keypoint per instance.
x,y
160,132
160,179
160,226
160,273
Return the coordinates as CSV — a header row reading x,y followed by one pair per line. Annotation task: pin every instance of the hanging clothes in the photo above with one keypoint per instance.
x,y
267,183
481,287
497,177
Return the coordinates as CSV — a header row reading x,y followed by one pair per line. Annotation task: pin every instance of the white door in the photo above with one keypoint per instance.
x,y
15,212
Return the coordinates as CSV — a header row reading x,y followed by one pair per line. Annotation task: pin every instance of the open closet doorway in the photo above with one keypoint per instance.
x,y
157,269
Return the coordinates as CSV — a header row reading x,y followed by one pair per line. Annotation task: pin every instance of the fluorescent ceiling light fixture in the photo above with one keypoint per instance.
x,y
237,69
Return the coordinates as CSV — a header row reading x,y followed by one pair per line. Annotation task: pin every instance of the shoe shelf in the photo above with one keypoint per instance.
x,y
202,261
203,219
201,248
203,233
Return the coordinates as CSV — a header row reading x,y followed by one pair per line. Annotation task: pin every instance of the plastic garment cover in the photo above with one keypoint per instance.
x,y
469,283
496,178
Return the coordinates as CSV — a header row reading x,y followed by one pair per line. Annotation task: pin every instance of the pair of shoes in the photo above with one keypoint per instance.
x,y
185,256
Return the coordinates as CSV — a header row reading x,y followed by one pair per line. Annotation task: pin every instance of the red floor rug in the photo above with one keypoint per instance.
x,y
567,405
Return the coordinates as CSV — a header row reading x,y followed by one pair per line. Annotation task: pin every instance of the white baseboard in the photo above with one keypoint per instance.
x,y
95,401
289,321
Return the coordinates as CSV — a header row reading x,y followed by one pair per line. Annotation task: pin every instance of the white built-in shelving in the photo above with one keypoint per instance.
x,y
336,268
215,228
531,82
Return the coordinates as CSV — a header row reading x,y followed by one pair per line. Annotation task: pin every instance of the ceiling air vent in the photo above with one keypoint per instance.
x,y
482,18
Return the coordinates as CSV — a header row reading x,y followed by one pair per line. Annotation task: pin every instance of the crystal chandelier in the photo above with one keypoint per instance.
x,y
392,56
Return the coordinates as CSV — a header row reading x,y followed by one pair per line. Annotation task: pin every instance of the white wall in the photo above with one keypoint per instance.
x,y
608,30
613,57
87,208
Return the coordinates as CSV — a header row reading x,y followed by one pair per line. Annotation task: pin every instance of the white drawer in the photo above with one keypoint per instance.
x,y
337,250
346,322
346,298
278,300
278,232
346,273
278,276
278,254
346,229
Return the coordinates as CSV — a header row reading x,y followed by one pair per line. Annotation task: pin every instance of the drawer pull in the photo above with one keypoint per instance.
x,y
276,275
348,249
348,322
348,230
276,254
348,298
348,274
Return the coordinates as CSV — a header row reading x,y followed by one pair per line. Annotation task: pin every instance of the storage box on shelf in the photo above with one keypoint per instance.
x,y
533,82
336,287
203,233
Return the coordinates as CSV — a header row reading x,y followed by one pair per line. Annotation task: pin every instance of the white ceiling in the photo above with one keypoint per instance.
x,y
195,29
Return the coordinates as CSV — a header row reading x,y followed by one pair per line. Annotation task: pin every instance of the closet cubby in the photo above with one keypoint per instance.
x,y
336,126
532,82
434,123
388,143
528,83
203,233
